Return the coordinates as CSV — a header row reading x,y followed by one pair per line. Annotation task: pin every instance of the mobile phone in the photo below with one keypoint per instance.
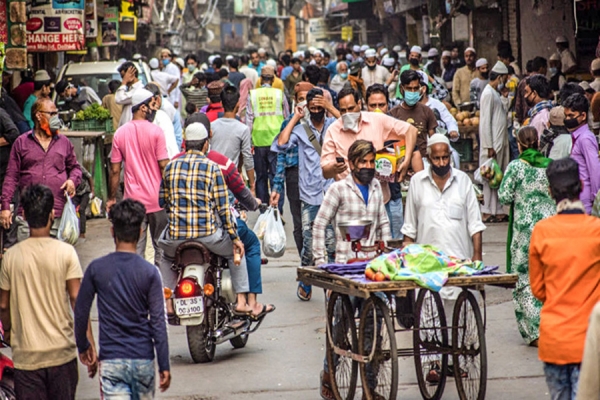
x,y
339,159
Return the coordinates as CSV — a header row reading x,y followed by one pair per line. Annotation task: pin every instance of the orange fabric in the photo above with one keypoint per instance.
x,y
564,272
596,107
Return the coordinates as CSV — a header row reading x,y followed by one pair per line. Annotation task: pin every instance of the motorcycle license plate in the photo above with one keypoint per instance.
x,y
189,306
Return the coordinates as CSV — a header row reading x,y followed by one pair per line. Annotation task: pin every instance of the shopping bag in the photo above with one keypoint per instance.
x,y
491,172
68,230
96,207
261,224
274,240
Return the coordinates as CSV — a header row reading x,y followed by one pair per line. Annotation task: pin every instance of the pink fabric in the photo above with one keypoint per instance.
x,y
245,87
140,145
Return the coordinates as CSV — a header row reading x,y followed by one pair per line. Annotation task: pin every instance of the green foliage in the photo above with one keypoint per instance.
x,y
93,112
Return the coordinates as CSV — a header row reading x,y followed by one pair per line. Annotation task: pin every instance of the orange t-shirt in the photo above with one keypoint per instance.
x,y
564,272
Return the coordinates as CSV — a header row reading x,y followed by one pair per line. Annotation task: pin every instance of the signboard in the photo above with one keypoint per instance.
x,y
110,27
13,33
55,25
267,8
232,36
318,28
91,19
347,33
127,21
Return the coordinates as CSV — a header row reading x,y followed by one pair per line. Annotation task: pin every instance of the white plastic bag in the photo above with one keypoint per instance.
x,y
274,238
261,224
477,177
68,230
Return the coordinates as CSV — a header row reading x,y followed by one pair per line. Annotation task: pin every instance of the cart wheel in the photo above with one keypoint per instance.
x,y
429,337
341,332
378,341
469,352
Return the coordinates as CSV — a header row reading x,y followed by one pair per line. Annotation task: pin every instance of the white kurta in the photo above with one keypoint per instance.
x,y
493,134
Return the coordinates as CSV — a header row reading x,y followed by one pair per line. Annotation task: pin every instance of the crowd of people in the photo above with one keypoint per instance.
x,y
305,128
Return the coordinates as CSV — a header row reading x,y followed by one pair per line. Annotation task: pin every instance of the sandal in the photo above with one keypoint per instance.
x,y
304,292
490,220
263,312
326,390
502,219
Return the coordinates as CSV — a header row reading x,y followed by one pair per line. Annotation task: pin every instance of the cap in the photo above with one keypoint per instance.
x,y
136,56
196,131
303,87
140,96
595,64
557,116
153,63
41,75
446,53
388,62
61,86
211,59
267,71
397,48
383,52
217,56
364,47
215,88
500,68
319,52
179,61
370,53
378,45
437,138
586,87
433,52
356,48
261,51
415,49
197,117
470,49
481,62
554,57
354,67
561,39
229,57
349,57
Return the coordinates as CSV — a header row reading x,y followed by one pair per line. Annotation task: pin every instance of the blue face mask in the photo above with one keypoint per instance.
x,y
553,71
191,68
166,61
412,98
344,76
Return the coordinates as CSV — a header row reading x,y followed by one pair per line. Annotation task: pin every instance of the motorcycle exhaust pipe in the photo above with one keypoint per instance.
x,y
229,332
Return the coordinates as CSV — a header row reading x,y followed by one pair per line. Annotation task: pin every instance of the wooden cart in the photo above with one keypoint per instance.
x,y
362,321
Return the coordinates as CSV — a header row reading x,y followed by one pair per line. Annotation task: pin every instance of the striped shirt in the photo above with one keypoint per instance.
x,y
197,96
193,193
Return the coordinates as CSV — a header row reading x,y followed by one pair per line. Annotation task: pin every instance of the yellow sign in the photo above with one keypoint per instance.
x,y
347,33
127,21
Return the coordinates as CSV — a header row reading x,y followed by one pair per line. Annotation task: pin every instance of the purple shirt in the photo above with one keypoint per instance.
x,y
585,152
29,164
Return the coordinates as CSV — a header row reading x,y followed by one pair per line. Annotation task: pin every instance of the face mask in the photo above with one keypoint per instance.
x,y
553,71
440,171
364,176
150,115
500,86
529,101
571,123
412,98
350,121
165,61
344,75
317,117
191,68
485,75
372,67
55,124
414,62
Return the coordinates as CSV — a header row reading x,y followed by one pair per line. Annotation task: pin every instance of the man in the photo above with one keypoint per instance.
x,y
172,69
165,105
455,57
373,73
195,196
595,71
557,78
294,77
266,110
448,68
230,137
235,76
539,65
585,147
129,84
567,59
110,103
564,270
324,84
214,109
433,55
263,56
195,91
414,64
41,89
538,96
23,90
556,142
255,62
130,311
245,69
166,82
42,156
75,97
412,111
493,133
141,147
479,83
40,276
287,69
461,83
161,119
308,136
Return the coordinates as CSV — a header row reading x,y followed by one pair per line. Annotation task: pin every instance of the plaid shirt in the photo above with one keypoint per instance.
x,y
285,159
193,192
344,202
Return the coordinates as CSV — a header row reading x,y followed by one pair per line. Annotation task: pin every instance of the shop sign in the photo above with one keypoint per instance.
x,y
347,33
127,21
91,19
110,27
56,25
318,28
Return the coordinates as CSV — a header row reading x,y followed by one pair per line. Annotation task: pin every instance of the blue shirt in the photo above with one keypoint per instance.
x,y
311,182
364,190
257,69
285,72
131,309
332,67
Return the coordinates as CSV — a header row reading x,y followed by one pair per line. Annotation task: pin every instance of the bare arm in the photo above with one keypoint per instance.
x,y
477,247
162,164
284,136
115,174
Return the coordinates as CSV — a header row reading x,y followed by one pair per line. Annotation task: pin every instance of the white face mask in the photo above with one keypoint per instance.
x,y
350,121
303,104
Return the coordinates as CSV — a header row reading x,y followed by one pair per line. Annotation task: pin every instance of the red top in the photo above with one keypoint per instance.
x,y
213,110
22,92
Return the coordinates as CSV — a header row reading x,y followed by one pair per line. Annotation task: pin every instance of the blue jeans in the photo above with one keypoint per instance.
x,y
309,213
562,380
252,254
125,379
512,142
395,215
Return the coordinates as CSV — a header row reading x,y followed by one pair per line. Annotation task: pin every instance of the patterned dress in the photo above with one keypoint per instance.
x,y
527,188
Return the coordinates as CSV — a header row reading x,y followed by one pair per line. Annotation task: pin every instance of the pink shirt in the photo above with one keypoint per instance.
x,y
375,127
141,145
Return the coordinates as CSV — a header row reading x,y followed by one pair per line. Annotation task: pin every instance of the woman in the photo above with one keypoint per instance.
x,y
525,188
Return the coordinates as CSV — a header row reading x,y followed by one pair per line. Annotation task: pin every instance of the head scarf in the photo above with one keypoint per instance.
x,y
245,87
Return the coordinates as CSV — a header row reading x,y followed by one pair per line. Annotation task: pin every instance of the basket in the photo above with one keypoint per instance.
x,y
92,125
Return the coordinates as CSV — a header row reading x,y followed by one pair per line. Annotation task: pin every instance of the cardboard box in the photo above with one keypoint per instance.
x,y
387,161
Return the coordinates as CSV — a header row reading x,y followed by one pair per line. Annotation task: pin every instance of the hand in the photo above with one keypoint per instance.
x,y
89,359
176,105
259,201
109,204
69,187
129,76
274,200
339,167
322,101
491,153
402,170
6,218
298,113
453,135
238,247
165,380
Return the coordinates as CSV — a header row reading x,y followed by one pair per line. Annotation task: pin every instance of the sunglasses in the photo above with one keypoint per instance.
x,y
52,113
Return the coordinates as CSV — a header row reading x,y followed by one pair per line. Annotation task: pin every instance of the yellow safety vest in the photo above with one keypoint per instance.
x,y
267,106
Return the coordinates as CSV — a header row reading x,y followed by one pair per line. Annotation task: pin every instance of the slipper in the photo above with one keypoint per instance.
x,y
264,312
304,292
502,219
326,390
241,313
490,220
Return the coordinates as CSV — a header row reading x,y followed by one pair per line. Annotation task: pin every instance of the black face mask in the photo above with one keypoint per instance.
x,y
318,116
485,75
414,62
441,171
364,175
150,115
372,66
571,123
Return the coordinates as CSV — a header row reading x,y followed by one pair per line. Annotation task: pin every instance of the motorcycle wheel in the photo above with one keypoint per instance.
x,y
239,342
7,392
201,346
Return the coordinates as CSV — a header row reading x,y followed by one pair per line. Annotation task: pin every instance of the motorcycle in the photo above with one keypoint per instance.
x,y
7,372
203,302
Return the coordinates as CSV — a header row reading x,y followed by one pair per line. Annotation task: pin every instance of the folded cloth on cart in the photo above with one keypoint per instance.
x,y
424,264
345,269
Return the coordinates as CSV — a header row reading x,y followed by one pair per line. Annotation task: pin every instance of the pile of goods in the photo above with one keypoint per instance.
x,y
465,118
491,171
93,112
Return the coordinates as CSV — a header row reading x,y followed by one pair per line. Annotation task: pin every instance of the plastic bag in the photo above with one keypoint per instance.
x,y
477,176
96,207
68,230
491,172
274,240
261,224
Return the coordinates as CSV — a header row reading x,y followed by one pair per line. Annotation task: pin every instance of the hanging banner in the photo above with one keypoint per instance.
x,y
55,25
318,28
127,21
110,27
91,19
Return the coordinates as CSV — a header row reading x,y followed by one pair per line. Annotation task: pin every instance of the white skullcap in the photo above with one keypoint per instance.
x,y
261,51
140,96
121,60
312,49
437,138
364,47
383,52
397,48
153,63
433,52
472,50
481,62
415,49
196,131
319,52
585,85
370,53
388,62
179,61
136,56
356,48
446,53
211,59
561,39
349,57
554,57
500,68
272,63
229,58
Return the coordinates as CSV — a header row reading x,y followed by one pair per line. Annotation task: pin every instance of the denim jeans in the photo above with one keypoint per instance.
x,y
252,256
309,213
562,380
512,143
395,215
125,379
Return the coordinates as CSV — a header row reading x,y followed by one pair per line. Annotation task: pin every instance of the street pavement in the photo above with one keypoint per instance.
x,y
282,360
